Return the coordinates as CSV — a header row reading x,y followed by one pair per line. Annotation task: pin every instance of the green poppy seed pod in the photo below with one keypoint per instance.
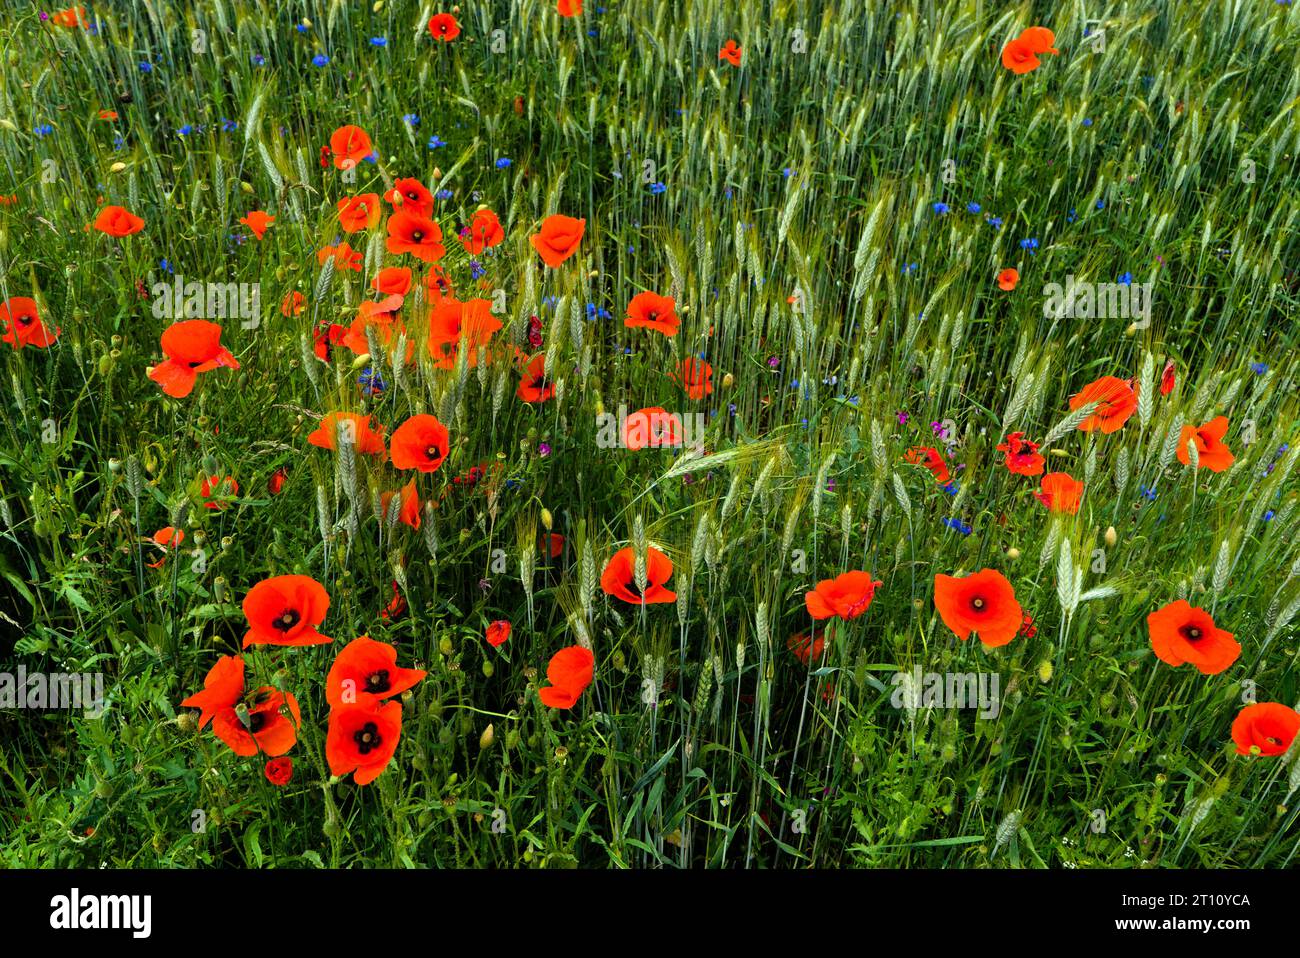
x,y
115,341
331,829
115,466
105,364
103,789
487,738
226,543
200,537
464,535
512,739
488,668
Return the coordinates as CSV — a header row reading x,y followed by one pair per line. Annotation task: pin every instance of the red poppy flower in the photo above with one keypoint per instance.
x,y
417,235
438,283
71,17
365,672
930,459
292,304
275,484
1168,379
269,730
223,488
696,377
222,688
558,239
1116,400
21,321
846,596
1212,452
350,145
166,539
570,671
619,577
345,257
652,311
1021,54
534,386
551,544
1023,457
654,427
119,222
396,606
1061,492
422,443
1040,39
393,281
258,222
409,195
354,426
191,346
807,650
453,324
497,633
569,8
279,771
109,115
1007,279
484,232
362,739
1269,727
444,27
359,212
1182,633
409,512
731,52
982,602
285,610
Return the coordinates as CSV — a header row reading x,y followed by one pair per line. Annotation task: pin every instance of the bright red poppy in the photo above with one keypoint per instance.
x,y
415,234
731,52
570,672
350,145
422,442
453,324
619,577
1116,399
257,221
366,672
279,771
409,510
118,221
292,304
484,232
846,596
983,602
1181,633
569,8
929,458
1212,452
652,311
345,257
1060,492
558,239
497,633
1021,54
393,281
354,427
214,490
191,346
166,539
269,730
409,195
1168,379
1269,727
807,650
652,428
285,610
361,212
1007,279
534,387
363,739
1023,457
21,321
443,27
695,376
222,688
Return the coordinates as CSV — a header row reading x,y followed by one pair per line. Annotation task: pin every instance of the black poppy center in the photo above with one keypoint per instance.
x,y
418,235
432,452
256,722
1191,633
367,738
287,619
24,320
378,681
412,195
978,603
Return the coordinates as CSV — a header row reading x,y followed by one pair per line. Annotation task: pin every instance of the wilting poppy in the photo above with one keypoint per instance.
x,y
443,26
166,539
222,688
191,346
365,672
1212,452
422,443
533,384
362,739
1168,379
1182,633
117,221
409,195
652,311
393,281
218,487
1007,279
485,232
350,145
558,239
354,426
1269,727
731,52
929,458
269,730
619,577
415,234
279,771
21,321
1023,457
285,610
1021,54
359,212
1060,492
497,633
409,510
1116,402
846,596
569,8
345,257
807,650
982,602
653,427
696,377
570,671
292,304
258,222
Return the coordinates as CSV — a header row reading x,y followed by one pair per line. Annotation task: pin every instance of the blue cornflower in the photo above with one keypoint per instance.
x,y
43,130
1030,244
951,488
1071,216
436,141
503,163
320,60
146,66
165,265
370,381
1149,494
972,207
229,126
1087,121
443,194
940,208
1101,204
657,188
958,525
1126,279
1268,516
186,130
909,268
258,60
1258,369
300,27
728,192
787,172
411,119
995,222
475,270
379,41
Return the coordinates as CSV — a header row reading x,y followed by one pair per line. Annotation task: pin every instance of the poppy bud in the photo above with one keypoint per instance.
x,y
512,739
487,738
361,361
103,789
117,167
306,23
1110,537
445,646
1013,553
246,186
105,364
331,828
547,519
488,668
437,173
728,381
